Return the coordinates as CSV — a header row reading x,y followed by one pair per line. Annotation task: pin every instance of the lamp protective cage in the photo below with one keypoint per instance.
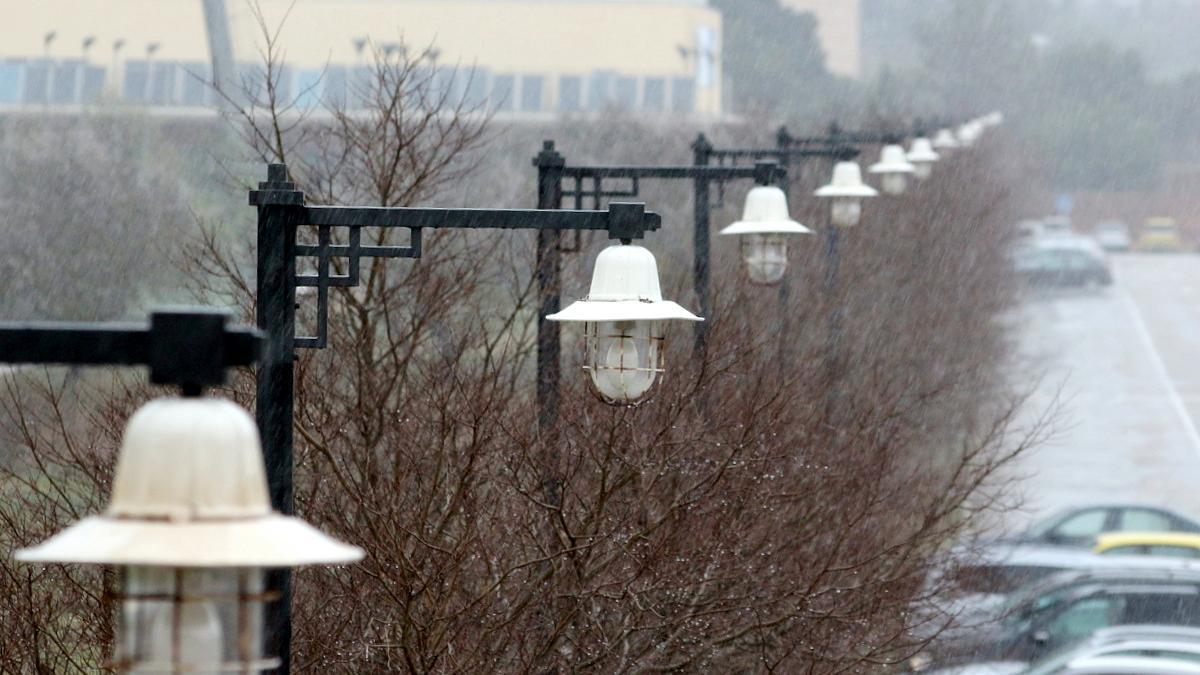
x,y
189,525
176,620
623,358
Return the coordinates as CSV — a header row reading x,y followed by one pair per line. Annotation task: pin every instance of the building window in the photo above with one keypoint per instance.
x,y
654,94
308,88
333,94
625,92
359,86
162,84
570,93
11,73
683,95
93,84
532,92
600,90
195,86
66,77
447,87
503,88
475,88
136,81
37,81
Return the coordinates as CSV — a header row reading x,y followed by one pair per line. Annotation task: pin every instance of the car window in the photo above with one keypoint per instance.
x,y
1082,525
1169,609
1085,617
1173,551
1127,550
1074,260
1144,520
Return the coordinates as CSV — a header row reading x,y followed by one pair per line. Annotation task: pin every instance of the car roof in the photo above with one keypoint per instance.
x,y
1144,631
1131,665
1110,539
1067,558
1102,577
1177,645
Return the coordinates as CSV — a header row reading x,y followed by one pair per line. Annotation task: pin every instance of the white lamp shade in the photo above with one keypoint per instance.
x,y
969,133
765,212
922,152
892,159
190,490
945,140
624,288
847,182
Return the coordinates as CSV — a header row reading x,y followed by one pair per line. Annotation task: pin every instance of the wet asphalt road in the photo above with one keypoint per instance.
x,y
1124,363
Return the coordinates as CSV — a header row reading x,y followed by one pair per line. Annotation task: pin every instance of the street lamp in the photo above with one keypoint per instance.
x,y
189,520
623,316
764,230
846,190
945,140
559,182
190,525
894,168
969,133
282,211
922,157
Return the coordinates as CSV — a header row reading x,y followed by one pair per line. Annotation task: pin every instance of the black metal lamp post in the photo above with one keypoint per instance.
x,y
281,212
589,182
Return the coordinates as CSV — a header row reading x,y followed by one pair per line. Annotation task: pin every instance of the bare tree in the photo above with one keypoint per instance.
x,y
732,523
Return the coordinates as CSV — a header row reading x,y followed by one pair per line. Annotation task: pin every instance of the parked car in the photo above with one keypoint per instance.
x,y
1079,526
1062,262
1053,226
1130,665
1071,606
1028,230
1145,640
1160,235
1172,544
1112,235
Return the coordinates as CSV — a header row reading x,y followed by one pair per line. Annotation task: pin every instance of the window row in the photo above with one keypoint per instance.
x,y
169,83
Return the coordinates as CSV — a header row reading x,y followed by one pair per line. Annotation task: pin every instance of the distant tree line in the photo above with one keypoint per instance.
x,y
1102,95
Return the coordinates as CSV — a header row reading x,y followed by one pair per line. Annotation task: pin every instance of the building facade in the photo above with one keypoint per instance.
x,y
514,57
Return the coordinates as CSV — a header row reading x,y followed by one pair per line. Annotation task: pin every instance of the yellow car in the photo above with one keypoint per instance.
x,y
1160,235
1171,544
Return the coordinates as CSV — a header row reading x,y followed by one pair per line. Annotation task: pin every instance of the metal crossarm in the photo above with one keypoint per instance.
x,y
624,221
191,349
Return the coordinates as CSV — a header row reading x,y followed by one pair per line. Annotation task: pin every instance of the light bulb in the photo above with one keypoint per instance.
x,y
846,211
922,170
625,360
765,256
201,604
200,642
894,183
